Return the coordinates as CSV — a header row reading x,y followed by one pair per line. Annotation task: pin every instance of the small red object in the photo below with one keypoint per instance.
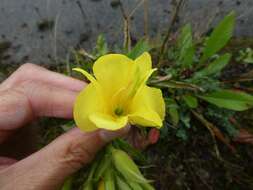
x,y
153,136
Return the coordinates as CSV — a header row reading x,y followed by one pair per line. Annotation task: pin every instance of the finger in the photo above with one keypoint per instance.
x,y
34,99
6,162
48,168
33,72
2,167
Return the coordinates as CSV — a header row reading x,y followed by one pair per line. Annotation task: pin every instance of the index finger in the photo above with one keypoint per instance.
x,y
30,100
32,72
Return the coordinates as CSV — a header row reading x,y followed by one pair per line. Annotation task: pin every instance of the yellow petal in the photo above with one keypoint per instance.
x,y
86,74
144,62
147,75
140,80
105,121
89,101
143,70
112,72
147,107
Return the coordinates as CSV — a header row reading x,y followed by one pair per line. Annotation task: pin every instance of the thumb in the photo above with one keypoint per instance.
x,y
47,168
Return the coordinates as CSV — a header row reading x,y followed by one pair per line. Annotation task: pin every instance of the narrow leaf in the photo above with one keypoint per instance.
x,y
135,186
121,184
172,108
88,186
147,186
219,37
214,67
141,47
102,167
185,46
233,100
109,180
178,85
191,101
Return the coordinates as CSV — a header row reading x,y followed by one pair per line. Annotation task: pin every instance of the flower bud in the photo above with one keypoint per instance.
x,y
126,166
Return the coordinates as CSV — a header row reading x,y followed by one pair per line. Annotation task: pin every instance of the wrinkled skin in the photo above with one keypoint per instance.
x,y
32,92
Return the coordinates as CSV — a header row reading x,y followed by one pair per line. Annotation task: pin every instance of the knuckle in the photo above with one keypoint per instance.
x,y
36,91
15,109
76,155
38,94
21,74
26,68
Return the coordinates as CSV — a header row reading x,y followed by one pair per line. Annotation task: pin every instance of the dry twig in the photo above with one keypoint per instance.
x,y
167,37
215,132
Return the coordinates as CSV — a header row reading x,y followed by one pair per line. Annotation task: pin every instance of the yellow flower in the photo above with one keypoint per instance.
x,y
118,94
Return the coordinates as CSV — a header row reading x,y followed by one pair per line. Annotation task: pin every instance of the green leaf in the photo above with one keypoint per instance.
x,y
185,46
67,184
88,186
174,116
109,179
186,119
101,46
126,166
178,85
233,100
125,146
191,101
121,184
172,108
214,67
248,57
104,164
68,125
181,133
135,186
219,37
141,47
147,186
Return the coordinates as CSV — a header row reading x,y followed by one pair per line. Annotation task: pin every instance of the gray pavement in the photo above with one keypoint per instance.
x,y
39,31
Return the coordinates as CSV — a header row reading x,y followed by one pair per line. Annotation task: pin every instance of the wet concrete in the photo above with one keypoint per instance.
x,y
40,31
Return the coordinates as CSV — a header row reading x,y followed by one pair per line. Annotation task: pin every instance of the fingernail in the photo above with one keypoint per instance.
x,y
108,136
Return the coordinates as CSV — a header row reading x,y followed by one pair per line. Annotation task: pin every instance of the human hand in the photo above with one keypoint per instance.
x,y
32,92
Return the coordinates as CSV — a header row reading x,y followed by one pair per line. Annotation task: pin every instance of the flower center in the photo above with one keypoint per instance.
x,y
118,111
123,97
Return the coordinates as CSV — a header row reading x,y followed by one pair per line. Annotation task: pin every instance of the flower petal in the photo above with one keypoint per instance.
x,y
147,75
105,121
144,62
112,72
147,107
89,101
86,74
143,70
